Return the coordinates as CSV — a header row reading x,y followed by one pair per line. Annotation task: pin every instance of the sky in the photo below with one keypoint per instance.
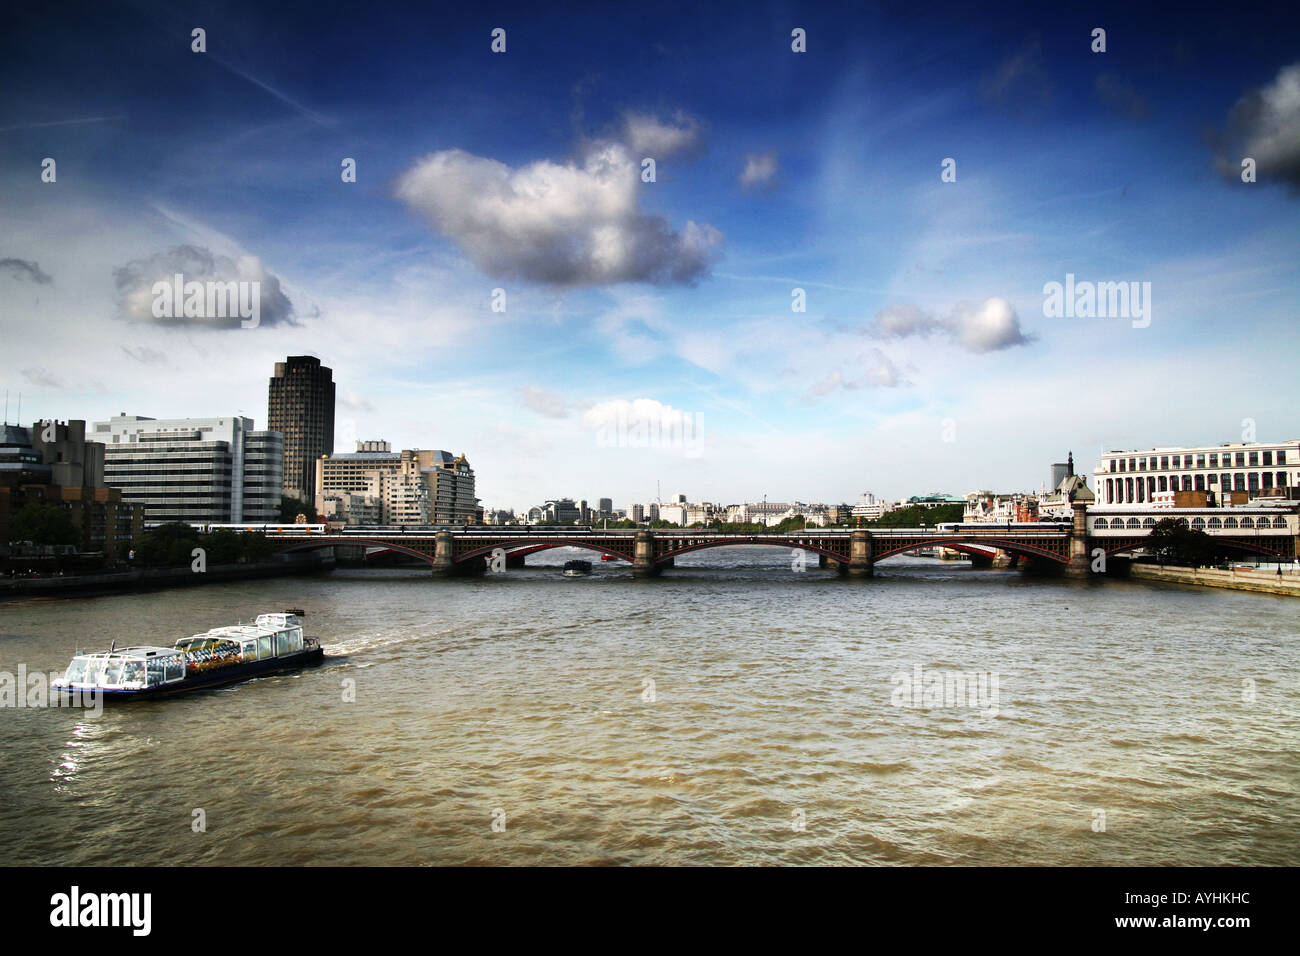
x,y
834,279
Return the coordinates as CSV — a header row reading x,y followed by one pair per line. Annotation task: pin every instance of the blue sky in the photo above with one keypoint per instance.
x,y
924,359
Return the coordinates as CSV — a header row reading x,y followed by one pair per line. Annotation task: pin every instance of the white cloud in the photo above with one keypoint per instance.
x,y
545,402
135,296
760,170
564,224
647,135
985,327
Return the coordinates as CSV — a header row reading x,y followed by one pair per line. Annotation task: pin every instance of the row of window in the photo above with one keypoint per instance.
x,y
1251,459
1198,524
1130,491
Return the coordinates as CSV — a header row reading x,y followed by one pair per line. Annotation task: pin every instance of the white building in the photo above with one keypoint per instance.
x,y
1257,470
869,507
195,470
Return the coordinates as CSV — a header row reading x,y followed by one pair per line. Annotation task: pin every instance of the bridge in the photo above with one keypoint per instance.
x,y
1072,546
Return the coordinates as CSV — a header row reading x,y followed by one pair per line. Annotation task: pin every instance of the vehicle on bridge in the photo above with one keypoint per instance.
x,y
289,528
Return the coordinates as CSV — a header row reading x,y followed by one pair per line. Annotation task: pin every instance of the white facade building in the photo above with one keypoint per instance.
x,y
194,470
1139,477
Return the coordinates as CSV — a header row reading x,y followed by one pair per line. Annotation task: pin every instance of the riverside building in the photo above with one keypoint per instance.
x,y
1232,473
195,470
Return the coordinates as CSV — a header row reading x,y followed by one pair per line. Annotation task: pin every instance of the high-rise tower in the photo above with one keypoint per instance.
x,y
300,405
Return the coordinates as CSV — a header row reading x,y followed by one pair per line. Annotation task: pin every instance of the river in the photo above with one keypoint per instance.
x,y
733,711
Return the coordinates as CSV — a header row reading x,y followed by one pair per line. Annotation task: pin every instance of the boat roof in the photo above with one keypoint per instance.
x,y
135,653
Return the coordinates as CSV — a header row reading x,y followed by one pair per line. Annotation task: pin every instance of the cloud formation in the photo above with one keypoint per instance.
x,y
1264,125
544,402
134,283
760,170
24,269
561,224
648,135
874,370
984,327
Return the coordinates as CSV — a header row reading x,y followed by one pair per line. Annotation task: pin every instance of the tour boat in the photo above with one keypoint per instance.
x,y
576,569
273,643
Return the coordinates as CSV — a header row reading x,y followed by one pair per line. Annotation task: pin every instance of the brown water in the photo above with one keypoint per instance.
x,y
526,695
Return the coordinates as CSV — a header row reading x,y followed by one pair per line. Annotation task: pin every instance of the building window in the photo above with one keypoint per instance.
x,y
1240,481
1247,523
1241,459
1215,524
1268,458
1214,460
1133,524
1164,462
1100,525
1149,523
1200,482
1198,524
1254,481
1230,522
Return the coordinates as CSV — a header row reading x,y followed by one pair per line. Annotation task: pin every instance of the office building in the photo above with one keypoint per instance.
x,y
300,406
1231,473
195,470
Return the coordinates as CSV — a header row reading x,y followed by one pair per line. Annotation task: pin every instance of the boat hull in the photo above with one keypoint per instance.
x,y
218,677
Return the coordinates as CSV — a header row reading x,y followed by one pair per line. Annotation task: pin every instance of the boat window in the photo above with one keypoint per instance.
x,y
76,673
113,672
264,647
282,642
157,670
175,668
133,672
250,650
95,671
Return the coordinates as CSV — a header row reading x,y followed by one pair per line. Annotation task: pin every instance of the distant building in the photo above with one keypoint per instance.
x,y
985,506
606,506
638,513
934,499
869,507
375,485
300,406
53,463
194,470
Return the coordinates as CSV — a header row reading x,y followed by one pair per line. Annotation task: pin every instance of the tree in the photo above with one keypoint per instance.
x,y
290,508
43,523
1172,542
167,545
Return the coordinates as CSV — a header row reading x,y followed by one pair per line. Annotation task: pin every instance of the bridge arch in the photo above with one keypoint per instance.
x,y
353,542
784,544
955,542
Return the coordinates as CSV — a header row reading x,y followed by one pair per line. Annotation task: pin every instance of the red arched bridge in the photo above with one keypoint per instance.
x,y
852,551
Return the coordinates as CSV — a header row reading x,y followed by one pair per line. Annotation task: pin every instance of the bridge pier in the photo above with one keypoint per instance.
x,y
444,551
981,561
643,562
1080,564
515,560
860,559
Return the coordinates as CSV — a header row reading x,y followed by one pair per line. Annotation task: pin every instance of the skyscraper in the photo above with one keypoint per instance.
x,y
300,406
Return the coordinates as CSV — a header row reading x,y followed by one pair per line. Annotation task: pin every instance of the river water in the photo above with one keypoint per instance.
x,y
732,711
